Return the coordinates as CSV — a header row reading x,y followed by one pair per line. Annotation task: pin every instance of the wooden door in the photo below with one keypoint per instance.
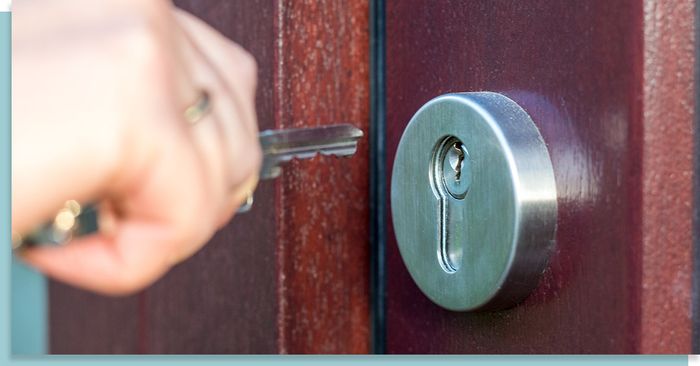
x,y
608,83
291,276
610,86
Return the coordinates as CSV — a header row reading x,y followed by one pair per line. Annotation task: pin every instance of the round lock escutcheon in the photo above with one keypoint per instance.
x,y
474,201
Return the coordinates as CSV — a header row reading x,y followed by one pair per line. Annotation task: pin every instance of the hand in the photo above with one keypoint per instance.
x,y
100,90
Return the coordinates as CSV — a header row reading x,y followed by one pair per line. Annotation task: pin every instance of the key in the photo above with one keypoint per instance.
x,y
282,146
278,147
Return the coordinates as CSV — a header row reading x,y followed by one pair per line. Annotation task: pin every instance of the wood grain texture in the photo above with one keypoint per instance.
x,y
291,276
81,322
584,72
669,58
323,239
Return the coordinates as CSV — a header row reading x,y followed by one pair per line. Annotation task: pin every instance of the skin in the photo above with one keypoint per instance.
x,y
99,94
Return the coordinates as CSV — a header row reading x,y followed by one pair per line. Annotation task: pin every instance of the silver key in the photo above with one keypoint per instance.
x,y
282,146
278,146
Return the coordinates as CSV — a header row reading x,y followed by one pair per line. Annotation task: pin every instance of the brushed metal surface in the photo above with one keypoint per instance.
x,y
485,251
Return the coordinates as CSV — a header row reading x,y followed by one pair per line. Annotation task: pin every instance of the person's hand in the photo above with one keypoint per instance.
x,y
100,89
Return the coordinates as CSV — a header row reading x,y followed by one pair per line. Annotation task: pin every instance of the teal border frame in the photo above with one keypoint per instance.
x,y
6,358
5,178
28,310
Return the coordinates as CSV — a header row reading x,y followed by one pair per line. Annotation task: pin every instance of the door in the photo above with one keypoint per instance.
x,y
609,84
315,267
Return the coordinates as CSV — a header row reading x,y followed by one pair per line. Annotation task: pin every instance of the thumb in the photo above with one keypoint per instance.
x,y
135,256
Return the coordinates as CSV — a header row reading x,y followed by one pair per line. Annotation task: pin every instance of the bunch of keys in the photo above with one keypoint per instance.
x,y
278,146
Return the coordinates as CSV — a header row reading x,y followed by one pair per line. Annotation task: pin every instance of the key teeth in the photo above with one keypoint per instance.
x,y
340,152
276,170
282,146
343,152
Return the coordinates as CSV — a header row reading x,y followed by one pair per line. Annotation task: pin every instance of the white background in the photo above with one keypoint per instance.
x,y
5,5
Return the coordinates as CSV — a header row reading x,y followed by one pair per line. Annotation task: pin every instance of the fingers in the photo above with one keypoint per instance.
x,y
187,178
236,200
221,136
161,221
109,265
230,73
235,65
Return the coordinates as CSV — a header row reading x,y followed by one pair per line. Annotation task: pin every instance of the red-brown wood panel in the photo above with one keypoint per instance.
x,y
291,276
669,59
323,239
610,85
82,322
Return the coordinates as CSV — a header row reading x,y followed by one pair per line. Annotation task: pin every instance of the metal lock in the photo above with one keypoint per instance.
x,y
474,201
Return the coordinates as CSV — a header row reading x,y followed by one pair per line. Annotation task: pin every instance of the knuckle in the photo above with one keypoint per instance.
x,y
143,44
135,274
250,64
247,66
248,158
183,233
181,230
256,157
245,58
145,47
127,282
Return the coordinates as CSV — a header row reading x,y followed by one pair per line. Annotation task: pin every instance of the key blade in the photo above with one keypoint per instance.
x,y
324,138
281,146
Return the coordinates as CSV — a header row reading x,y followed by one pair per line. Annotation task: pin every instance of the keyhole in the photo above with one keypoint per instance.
x,y
451,178
457,161
456,168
